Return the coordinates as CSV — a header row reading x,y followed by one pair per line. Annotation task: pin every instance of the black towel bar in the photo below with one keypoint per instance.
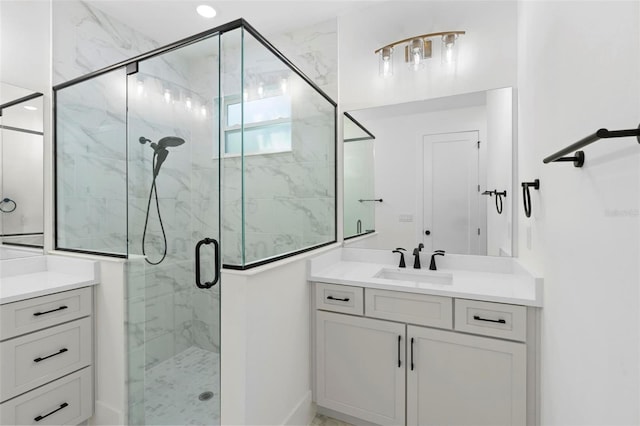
x,y
578,158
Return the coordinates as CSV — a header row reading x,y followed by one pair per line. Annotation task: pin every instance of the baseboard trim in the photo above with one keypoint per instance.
x,y
303,413
343,417
106,415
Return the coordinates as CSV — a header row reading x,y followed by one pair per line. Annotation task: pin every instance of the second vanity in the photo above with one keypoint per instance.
x,y
46,340
396,346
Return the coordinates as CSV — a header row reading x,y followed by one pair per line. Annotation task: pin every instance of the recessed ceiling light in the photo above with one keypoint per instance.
x,y
30,108
206,11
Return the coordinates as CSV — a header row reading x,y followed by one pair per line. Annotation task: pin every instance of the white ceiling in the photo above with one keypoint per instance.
x,y
167,21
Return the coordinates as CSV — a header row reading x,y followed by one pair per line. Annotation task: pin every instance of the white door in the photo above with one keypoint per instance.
x,y
360,367
450,193
458,379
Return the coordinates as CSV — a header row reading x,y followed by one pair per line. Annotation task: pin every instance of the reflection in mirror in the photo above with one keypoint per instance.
x,y
438,166
359,210
21,171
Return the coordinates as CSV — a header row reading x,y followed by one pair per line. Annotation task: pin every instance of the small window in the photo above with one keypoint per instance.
x,y
267,126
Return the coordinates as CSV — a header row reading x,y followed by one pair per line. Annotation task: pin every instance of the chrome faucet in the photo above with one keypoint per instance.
x,y
433,266
416,254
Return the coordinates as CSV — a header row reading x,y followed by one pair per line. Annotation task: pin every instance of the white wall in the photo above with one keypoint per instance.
x,y
266,358
487,57
398,172
579,70
24,53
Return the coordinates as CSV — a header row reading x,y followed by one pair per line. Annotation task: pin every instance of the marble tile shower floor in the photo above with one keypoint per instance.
x,y
172,389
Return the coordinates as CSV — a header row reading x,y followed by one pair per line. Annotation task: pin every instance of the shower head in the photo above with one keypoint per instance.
x,y
168,141
160,149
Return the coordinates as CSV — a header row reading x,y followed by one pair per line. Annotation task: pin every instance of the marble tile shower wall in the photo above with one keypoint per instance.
x,y
289,198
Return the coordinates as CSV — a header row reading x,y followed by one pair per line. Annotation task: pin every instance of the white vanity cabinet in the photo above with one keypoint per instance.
x,y
46,357
423,360
361,367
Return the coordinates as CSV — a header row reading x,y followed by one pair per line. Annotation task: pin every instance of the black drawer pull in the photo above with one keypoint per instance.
x,y
477,318
399,360
346,299
63,405
61,351
61,308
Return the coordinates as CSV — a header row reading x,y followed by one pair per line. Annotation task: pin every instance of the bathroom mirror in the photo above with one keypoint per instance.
x,y
442,175
21,171
359,211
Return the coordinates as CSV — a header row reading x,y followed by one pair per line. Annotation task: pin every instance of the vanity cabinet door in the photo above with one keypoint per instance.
x,y
457,379
361,367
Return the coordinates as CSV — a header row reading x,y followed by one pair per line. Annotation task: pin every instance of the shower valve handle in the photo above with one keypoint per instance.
x,y
216,276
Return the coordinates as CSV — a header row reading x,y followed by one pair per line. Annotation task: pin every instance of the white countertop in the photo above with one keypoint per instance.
x,y
26,278
502,280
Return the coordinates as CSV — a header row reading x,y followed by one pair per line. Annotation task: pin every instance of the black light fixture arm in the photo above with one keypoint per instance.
x,y
526,195
578,158
378,200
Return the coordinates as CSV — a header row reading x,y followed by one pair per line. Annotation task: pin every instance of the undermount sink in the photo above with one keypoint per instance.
x,y
429,277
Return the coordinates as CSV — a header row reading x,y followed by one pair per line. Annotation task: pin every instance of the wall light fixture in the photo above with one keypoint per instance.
x,y
418,49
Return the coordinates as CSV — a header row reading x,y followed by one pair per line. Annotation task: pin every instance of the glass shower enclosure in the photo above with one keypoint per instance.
x,y
215,150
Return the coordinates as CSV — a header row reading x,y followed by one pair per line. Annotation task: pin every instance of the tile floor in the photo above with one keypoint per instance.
x,y
172,388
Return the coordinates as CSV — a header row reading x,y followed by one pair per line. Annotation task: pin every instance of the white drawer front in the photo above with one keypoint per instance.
x,y
339,298
40,357
491,319
33,314
67,401
412,308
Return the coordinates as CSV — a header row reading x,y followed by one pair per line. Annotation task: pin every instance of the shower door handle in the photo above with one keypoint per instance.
x,y
216,255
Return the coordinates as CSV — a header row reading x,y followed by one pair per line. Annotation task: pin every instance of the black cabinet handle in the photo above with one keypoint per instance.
x,y
216,256
61,351
346,299
500,321
412,354
61,308
399,360
63,405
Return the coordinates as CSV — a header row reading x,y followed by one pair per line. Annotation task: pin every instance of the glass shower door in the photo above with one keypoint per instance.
x,y
173,295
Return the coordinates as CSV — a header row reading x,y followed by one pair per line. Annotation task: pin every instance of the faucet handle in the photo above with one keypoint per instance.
x,y
420,247
400,250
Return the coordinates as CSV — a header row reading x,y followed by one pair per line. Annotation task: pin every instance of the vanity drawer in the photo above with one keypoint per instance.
x,y
67,401
33,314
491,319
412,308
40,357
339,298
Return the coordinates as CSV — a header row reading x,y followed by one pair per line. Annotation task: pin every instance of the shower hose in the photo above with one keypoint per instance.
x,y
154,190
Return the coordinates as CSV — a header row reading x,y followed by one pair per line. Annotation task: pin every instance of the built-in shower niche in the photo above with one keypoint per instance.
x,y
218,139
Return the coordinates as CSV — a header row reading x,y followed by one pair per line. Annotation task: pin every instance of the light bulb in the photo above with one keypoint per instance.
x,y
140,87
261,90
203,111
416,54
167,95
449,48
187,103
283,85
385,62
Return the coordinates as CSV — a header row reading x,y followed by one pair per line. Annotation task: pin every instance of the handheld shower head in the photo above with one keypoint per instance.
x,y
160,149
170,141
